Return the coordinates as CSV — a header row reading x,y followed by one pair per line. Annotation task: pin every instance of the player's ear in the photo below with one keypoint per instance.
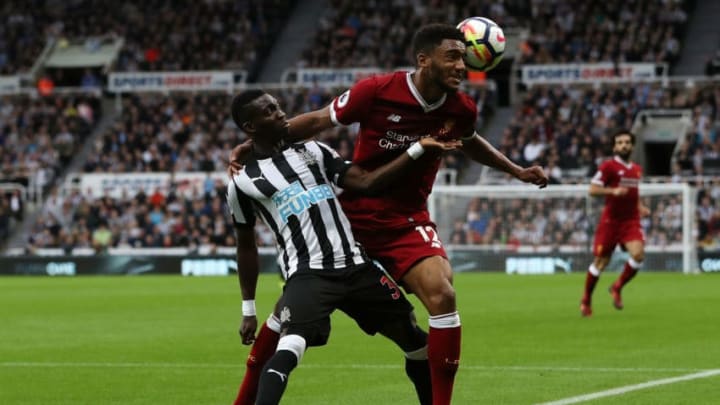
x,y
422,59
248,127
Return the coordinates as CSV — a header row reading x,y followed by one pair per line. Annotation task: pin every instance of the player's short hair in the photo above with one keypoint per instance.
x,y
621,132
428,37
239,108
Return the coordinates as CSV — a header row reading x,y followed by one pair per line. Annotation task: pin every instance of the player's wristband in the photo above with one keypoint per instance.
x,y
415,151
248,308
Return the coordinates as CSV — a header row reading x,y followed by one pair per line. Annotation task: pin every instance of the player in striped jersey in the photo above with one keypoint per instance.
x,y
292,187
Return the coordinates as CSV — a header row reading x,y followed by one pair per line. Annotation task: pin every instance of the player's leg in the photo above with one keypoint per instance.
x,y
416,258
603,246
262,350
636,249
377,304
431,280
308,301
413,342
276,373
591,278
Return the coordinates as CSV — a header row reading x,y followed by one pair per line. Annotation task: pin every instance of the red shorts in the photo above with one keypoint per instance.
x,y
611,233
398,250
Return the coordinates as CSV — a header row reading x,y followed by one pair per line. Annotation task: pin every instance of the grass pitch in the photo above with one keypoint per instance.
x,y
173,340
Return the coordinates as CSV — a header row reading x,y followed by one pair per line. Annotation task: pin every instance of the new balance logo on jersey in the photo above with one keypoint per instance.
x,y
394,118
283,376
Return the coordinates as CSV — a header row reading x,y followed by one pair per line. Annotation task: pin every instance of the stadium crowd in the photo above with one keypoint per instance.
x,y
569,222
357,34
565,128
38,138
158,34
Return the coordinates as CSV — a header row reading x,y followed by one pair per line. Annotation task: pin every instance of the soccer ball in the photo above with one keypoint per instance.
x,y
484,41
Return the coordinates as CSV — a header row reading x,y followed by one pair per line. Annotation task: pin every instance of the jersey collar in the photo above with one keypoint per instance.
x,y
624,163
419,98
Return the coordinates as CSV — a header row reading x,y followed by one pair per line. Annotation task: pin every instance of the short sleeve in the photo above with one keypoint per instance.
x,y
335,165
240,205
602,176
352,105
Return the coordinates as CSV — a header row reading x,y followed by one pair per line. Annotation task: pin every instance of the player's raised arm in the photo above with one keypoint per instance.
x,y
481,151
372,182
307,125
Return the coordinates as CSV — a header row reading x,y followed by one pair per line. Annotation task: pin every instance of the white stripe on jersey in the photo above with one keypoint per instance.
x,y
293,195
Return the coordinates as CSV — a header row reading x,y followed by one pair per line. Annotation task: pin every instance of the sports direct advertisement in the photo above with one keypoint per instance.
x,y
168,81
586,72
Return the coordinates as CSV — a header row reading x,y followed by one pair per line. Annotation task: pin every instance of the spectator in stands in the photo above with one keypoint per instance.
x,y
712,67
102,238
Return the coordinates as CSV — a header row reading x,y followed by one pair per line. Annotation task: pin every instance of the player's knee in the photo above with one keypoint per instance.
x,y
442,299
636,261
293,343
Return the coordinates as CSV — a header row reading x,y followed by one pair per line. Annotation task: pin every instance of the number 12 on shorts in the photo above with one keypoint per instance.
x,y
425,232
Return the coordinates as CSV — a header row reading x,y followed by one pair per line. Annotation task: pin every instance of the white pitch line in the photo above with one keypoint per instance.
x,y
240,365
629,388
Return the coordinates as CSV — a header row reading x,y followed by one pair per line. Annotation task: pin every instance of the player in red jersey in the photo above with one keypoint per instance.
x,y
617,179
394,111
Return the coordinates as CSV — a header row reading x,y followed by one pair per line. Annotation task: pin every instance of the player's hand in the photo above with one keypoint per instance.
x,y
238,156
644,211
248,327
431,144
535,175
618,191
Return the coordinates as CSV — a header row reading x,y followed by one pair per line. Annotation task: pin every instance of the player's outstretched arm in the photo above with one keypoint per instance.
x,y
307,125
359,179
597,190
248,269
481,151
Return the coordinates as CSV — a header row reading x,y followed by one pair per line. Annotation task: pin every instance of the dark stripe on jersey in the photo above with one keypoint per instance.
x,y
347,249
278,237
314,212
245,205
253,171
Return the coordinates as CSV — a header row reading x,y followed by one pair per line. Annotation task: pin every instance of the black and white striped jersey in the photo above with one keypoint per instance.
x,y
294,192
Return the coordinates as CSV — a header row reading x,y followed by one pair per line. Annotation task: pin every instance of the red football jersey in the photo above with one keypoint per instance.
x,y
393,115
617,173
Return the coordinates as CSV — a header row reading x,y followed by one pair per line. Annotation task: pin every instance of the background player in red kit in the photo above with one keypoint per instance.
x,y
394,111
617,179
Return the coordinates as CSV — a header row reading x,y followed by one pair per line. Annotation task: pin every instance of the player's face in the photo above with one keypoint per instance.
x,y
269,120
623,146
447,69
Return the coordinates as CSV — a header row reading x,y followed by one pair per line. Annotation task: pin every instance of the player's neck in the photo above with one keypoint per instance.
x,y
625,161
429,92
265,150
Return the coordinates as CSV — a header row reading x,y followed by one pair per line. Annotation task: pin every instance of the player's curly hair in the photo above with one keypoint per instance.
x,y
623,131
239,107
429,36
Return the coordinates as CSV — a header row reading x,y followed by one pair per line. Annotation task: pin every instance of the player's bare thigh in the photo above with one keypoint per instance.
x,y
430,280
636,249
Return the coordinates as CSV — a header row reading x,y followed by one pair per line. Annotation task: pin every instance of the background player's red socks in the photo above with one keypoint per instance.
x,y
629,271
262,350
593,274
443,355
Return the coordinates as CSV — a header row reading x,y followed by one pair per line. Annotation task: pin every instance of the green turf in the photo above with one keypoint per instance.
x,y
172,340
